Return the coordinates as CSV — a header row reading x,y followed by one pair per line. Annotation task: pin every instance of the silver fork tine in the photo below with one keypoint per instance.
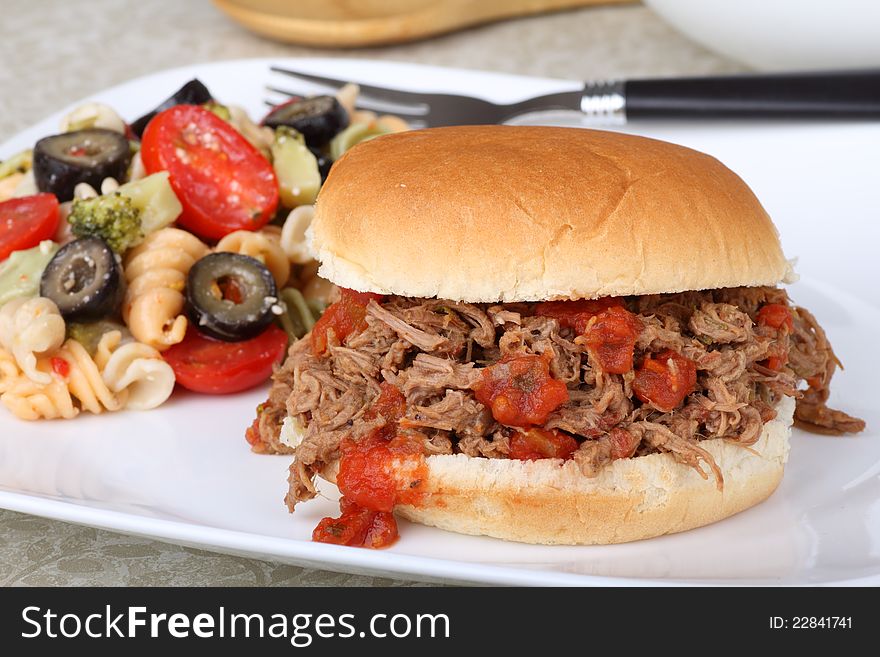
x,y
367,102
361,106
379,93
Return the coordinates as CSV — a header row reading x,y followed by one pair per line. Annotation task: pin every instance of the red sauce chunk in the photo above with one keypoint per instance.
x,y
346,316
520,391
775,315
357,527
377,472
576,314
665,379
390,404
60,366
623,443
610,338
535,444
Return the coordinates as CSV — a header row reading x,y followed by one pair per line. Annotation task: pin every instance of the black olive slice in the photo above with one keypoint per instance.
x,y
89,156
230,296
324,163
318,119
192,93
84,280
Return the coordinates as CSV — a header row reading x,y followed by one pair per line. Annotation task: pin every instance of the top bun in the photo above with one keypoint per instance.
x,y
503,213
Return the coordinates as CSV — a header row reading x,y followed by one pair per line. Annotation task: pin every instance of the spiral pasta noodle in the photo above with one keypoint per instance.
x,y
120,375
293,234
29,328
9,371
134,370
84,380
156,273
62,396
265,246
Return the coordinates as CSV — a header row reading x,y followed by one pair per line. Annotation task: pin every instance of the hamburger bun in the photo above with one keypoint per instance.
x,y
503,213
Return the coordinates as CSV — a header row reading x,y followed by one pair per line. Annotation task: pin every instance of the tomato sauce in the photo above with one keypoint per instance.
x,y
60,366
777,316
576,314
357,527
383,469
665,379
346,316
623,444
390,404
610,338
535,444
520,391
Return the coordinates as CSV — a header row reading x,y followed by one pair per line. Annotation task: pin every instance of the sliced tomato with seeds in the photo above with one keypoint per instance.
x,y
204,364
224,184
27,221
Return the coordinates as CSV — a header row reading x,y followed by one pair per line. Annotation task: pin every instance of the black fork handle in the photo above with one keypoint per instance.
x,y
848,94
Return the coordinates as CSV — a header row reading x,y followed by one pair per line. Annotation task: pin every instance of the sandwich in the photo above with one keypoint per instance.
x,y
546,335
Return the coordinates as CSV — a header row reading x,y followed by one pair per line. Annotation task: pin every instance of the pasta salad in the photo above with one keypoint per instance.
x,y
166,251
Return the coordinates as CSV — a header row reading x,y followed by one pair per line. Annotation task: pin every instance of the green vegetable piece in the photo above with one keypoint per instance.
x,y
317,307
220,110
156,201
296,168
18,163
297,318
20,272
112,217
353,135
89,334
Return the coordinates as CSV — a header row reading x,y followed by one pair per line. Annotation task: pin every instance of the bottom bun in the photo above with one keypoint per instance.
x,y
550,502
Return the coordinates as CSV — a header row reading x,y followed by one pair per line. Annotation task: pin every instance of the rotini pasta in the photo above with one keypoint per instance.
x,y
293,234
134,370
9,371
30,327
61,396
264,245
121,375
84,379
28,400
156,273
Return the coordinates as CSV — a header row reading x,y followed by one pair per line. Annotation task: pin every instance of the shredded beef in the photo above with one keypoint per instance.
x,y
433,351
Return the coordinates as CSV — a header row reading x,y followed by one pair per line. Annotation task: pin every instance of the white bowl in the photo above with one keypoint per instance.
x,y
782,34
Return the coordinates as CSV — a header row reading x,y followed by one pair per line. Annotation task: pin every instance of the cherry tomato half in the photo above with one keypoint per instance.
x,y
27,221
224,184
203,364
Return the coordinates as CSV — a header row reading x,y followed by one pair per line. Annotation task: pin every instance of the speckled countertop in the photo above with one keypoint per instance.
x,y
56,51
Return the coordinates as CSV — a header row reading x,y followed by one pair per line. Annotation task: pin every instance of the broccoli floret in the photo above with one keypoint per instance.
x,y
112,217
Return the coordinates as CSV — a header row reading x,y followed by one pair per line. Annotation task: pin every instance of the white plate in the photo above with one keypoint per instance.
x,y
183,473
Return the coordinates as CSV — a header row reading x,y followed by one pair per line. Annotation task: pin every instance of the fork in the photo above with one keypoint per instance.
x,y
835,95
